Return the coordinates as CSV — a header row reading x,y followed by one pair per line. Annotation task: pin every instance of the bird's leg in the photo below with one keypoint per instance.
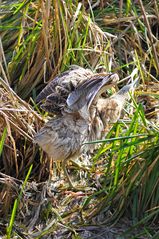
x,y
64,162
53,171
51,168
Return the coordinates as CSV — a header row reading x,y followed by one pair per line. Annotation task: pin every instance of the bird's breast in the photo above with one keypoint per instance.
x,y
63,137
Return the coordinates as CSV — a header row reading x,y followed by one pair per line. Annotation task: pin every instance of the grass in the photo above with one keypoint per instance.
x,y
4,134
16,205
38,41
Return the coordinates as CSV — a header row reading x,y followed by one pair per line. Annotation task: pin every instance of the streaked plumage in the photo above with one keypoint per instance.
x,y
57,91
81,112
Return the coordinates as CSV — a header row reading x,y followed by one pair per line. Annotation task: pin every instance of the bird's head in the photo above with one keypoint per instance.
x,y
110,108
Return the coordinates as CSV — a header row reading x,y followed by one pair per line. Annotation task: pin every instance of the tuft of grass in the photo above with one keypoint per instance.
x,y
129,175
40,39
16,205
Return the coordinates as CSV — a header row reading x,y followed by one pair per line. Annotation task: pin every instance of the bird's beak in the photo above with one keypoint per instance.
x,y
129,87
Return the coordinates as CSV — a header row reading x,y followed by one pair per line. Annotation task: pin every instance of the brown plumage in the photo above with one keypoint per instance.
x,y
81,114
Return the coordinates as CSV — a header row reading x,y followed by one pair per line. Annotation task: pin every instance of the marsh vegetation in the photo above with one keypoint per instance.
x,y
120,196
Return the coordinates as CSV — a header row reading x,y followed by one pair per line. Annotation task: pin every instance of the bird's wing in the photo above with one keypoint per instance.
x,y
56,92
88,91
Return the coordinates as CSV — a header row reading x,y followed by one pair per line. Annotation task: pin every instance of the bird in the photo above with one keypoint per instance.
x,y
79,112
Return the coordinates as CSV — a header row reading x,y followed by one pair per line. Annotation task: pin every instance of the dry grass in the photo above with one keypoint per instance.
x,y
38,40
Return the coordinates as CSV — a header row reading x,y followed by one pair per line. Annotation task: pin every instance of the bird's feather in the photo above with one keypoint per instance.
x,y
61,86
87,91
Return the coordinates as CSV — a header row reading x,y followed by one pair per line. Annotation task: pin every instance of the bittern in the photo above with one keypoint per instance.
x,y
80,111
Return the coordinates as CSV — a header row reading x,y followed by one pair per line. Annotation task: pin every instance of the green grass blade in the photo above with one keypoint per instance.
x,y
4,134
16,204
